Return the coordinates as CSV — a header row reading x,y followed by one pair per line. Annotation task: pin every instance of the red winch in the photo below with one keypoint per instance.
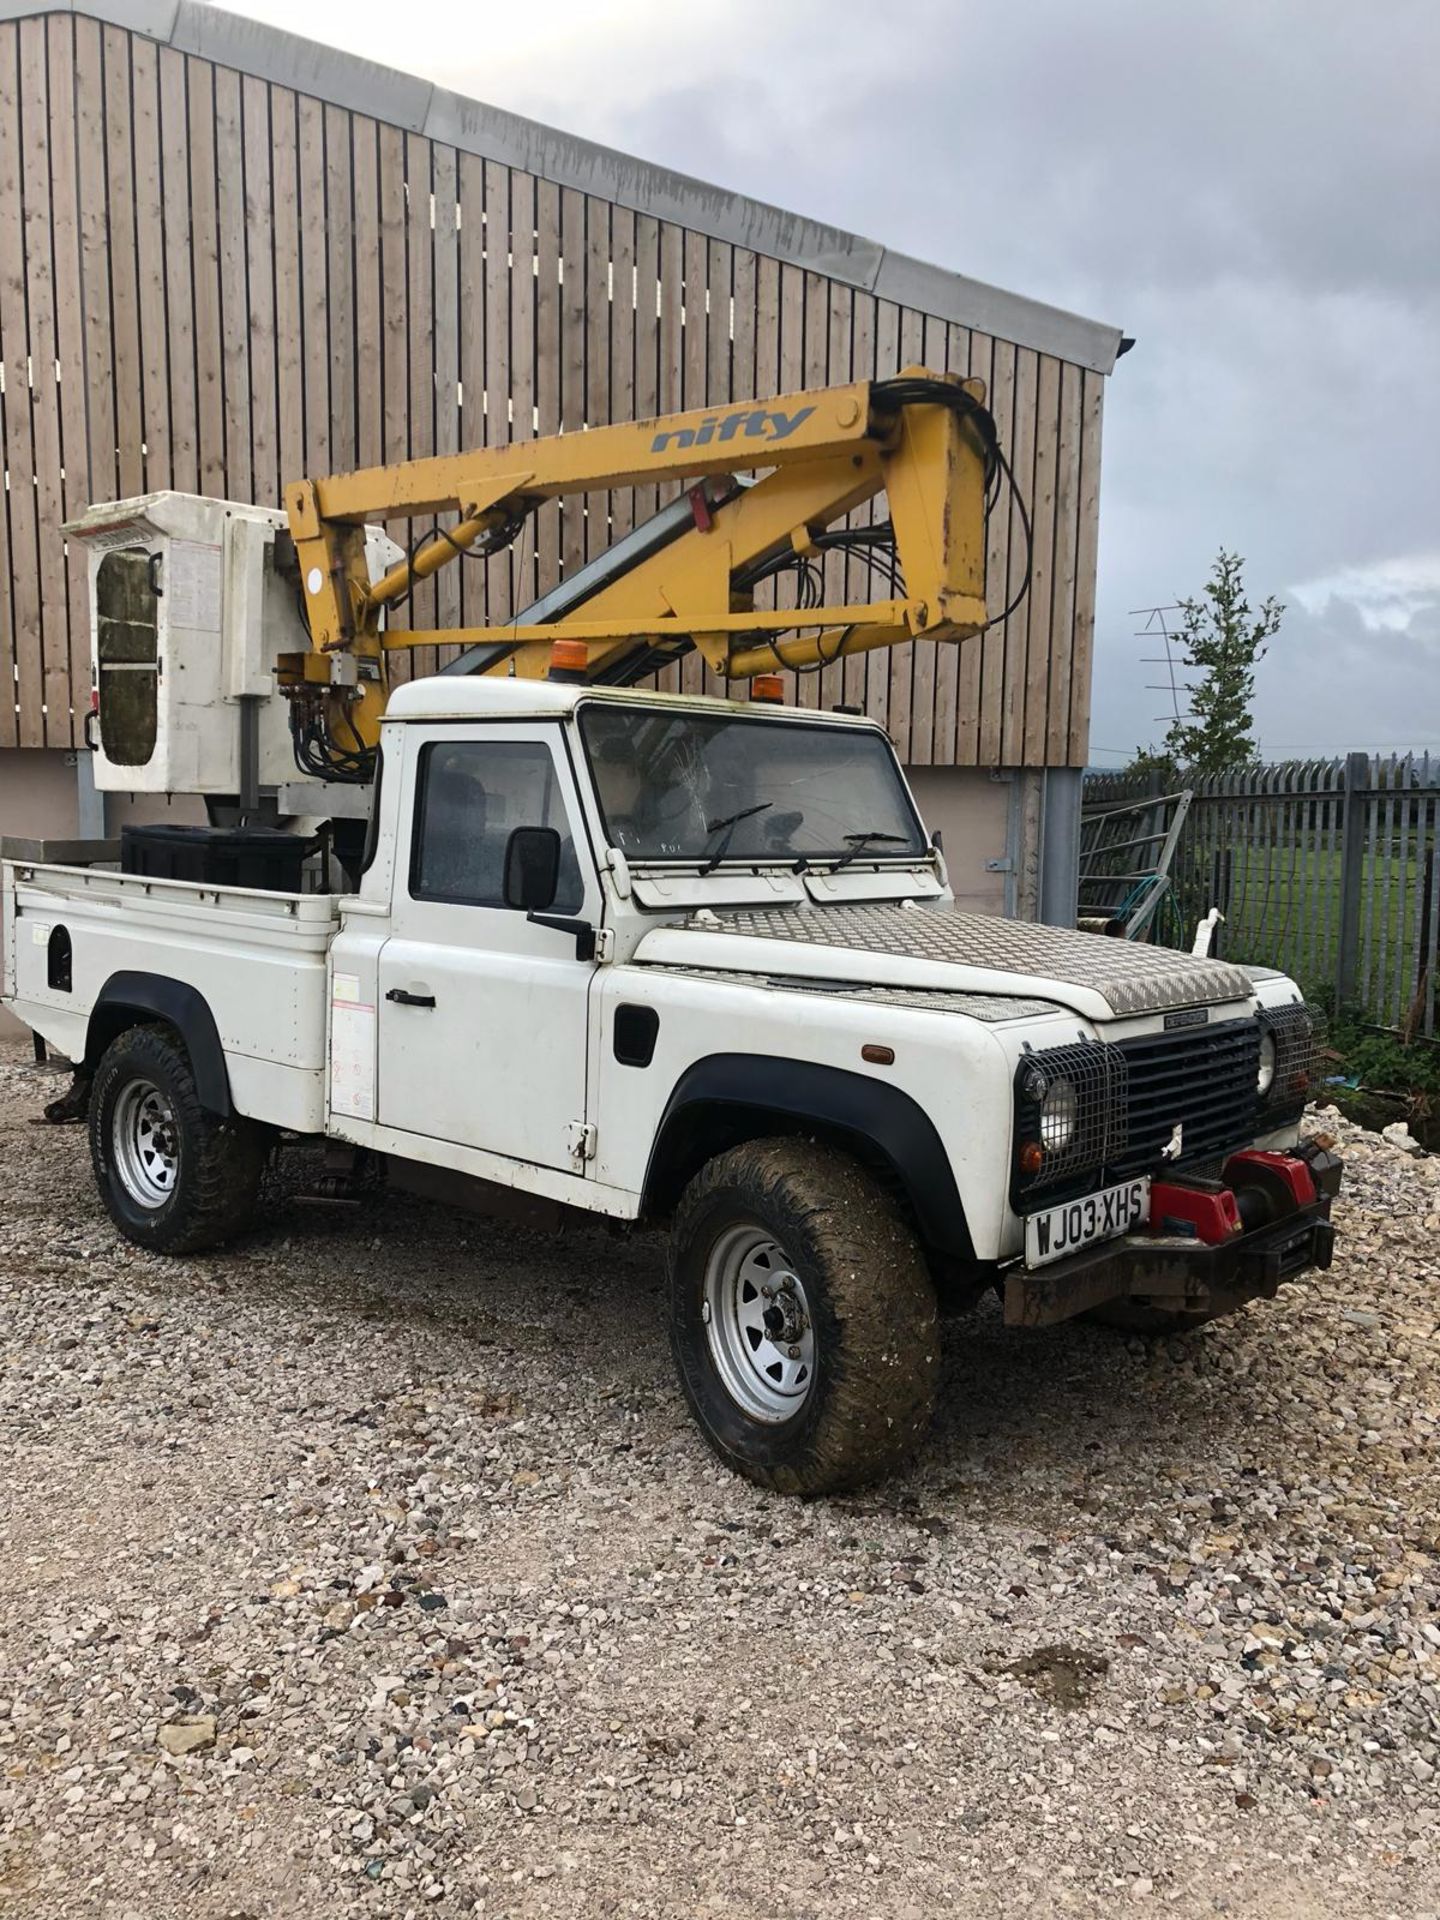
x,y
1255,1188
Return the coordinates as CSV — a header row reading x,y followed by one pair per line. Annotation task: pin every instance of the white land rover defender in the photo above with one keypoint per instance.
x,y
695,963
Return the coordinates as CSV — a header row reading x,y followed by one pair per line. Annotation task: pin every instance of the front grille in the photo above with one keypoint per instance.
x,y
1203,1081
1130,1095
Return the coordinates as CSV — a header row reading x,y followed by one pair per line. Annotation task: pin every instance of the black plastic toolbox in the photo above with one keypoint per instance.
x,y
217,856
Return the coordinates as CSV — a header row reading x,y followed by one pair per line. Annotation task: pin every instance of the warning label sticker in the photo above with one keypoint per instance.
x,y
191,583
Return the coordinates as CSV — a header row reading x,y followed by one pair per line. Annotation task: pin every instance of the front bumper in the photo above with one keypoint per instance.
x,y
1179,1275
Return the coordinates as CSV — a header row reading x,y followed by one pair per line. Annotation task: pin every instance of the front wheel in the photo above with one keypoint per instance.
x,y
174,1177
802,1318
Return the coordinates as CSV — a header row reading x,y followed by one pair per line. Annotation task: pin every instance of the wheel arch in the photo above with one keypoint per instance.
x,y
727,1098
136,999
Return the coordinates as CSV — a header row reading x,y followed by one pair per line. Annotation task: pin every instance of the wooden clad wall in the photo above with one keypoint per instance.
x,y
213,283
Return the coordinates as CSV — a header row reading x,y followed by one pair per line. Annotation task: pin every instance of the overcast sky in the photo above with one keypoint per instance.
x,y
1250,187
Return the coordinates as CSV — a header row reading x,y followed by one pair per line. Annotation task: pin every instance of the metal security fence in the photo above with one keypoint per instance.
x,y
1325,868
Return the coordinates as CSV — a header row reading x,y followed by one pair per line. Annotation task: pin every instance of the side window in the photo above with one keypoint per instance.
x,y
472,796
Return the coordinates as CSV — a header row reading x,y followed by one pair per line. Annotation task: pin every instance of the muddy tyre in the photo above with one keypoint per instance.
x,y
173,1176
802,1317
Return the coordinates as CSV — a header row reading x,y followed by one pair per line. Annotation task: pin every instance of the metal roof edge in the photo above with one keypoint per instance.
x,y
270,53
493,133
1007,316
643,187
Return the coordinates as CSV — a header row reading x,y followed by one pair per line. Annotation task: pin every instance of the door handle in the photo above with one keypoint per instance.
x,y
404,999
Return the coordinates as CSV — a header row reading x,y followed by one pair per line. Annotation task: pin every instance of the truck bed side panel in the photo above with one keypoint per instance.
x,y
257,959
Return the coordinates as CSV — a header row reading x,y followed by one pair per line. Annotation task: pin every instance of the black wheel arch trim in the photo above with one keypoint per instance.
x,y
884,1118
127,999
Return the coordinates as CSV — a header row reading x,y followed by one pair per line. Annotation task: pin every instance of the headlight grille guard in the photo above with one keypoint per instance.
x,y
1295,1030
1099,1076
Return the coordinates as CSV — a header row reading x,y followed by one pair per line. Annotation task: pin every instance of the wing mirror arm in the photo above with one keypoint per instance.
x,y
584,933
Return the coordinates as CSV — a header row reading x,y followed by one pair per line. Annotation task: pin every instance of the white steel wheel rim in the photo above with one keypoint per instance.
x,y
758,1325
146,1143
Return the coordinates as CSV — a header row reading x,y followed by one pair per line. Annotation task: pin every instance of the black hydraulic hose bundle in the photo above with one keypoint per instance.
x,y
318,754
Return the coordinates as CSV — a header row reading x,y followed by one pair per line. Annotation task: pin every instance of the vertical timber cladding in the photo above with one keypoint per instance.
x,y
213,282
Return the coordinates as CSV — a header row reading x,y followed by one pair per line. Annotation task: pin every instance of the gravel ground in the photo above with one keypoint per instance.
x,y
374,1568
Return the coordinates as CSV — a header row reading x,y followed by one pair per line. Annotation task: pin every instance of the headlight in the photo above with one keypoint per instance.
x,y
1069,1112
1265,1079
1059,1111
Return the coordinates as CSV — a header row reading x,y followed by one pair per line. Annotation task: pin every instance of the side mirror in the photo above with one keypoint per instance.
x,y
532,868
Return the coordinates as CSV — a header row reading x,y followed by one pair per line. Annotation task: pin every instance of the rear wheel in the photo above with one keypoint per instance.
x,y
173,1176
802,1318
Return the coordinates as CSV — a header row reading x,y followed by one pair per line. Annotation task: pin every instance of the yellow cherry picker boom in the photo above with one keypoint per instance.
x,y
701,574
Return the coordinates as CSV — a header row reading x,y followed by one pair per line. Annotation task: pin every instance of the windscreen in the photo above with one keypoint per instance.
x,y
710,787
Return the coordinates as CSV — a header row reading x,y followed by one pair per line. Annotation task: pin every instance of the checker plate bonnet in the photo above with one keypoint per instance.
x,y
1129,979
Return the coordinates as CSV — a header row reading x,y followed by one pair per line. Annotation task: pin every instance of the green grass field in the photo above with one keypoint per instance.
x,y
1267,852
1282,908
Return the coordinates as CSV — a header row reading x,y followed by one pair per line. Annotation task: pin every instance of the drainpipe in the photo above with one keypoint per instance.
x,y
89,801
1060,845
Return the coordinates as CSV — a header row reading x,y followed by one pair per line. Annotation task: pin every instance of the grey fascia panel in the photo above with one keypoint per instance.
x,y
1008,316
346,80
290,61
514,141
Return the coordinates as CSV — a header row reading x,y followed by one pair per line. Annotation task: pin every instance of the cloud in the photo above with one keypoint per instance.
x,y
1334,683
1387,594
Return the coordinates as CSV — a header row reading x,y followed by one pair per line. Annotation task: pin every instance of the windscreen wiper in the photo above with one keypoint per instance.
x,y
858,842
728,823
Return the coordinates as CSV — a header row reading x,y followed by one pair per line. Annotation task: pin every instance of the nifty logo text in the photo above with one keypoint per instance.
x,y
756,423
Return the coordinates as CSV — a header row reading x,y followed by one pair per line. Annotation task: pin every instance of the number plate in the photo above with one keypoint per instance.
x,y
1061,1231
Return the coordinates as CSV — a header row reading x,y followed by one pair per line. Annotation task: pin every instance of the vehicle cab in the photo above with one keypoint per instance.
x,y
449,994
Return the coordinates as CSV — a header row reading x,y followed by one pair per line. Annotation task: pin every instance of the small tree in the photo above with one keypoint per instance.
x,y
1221,639
1157,760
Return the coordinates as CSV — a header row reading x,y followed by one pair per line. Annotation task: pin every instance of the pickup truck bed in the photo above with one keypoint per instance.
x,y
256,959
